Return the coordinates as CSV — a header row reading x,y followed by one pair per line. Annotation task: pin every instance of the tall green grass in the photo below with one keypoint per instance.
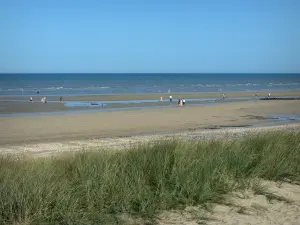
x,y
97,187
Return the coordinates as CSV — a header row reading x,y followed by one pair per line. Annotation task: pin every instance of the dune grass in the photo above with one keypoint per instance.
x,y
98,187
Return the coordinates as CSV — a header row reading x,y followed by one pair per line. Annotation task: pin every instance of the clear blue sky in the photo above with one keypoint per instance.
x,y
154,36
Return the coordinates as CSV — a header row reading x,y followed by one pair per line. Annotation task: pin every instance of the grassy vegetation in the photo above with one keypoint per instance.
x,y
97,187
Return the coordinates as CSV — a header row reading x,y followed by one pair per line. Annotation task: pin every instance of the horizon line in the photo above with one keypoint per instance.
x,y
4,73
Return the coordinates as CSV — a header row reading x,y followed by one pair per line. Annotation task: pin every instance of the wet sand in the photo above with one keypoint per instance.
x,y
8,106
47,128
15,108
22,107
155,96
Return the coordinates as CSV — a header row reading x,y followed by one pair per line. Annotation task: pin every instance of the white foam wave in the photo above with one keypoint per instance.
x,y
207,85
52,88
283,84
95,87
245,84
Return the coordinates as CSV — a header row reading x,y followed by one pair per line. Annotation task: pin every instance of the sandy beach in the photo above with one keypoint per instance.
x,y
48,135
47,128
139,113
53,129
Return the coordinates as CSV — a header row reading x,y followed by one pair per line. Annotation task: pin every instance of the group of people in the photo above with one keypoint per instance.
x,y
268,96
44,99
181,101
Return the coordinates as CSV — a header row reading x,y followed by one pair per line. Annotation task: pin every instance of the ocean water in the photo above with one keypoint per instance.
x,y
91,84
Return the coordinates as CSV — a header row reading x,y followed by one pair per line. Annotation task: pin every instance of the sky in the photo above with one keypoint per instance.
x,y
158,36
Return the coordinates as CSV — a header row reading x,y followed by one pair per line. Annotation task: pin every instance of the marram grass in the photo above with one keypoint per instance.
x,y
97,187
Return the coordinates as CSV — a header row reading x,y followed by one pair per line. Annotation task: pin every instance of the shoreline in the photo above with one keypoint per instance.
x,y
55,108
156,96
19,106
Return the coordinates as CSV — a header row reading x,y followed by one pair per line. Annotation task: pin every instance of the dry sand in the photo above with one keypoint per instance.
x,y
121,143
282,207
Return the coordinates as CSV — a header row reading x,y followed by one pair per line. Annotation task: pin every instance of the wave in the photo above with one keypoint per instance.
x,y
53,88
85,87
283,84
207,85
94,87
145,87
245,84
15,89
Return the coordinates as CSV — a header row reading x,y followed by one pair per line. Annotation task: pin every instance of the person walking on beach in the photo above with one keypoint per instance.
x,y
171,98
179,102
223,96
61,99
43,100
183,101
269,95
161,99
30,99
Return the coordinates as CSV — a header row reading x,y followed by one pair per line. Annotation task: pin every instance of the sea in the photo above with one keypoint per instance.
x,y
62,84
